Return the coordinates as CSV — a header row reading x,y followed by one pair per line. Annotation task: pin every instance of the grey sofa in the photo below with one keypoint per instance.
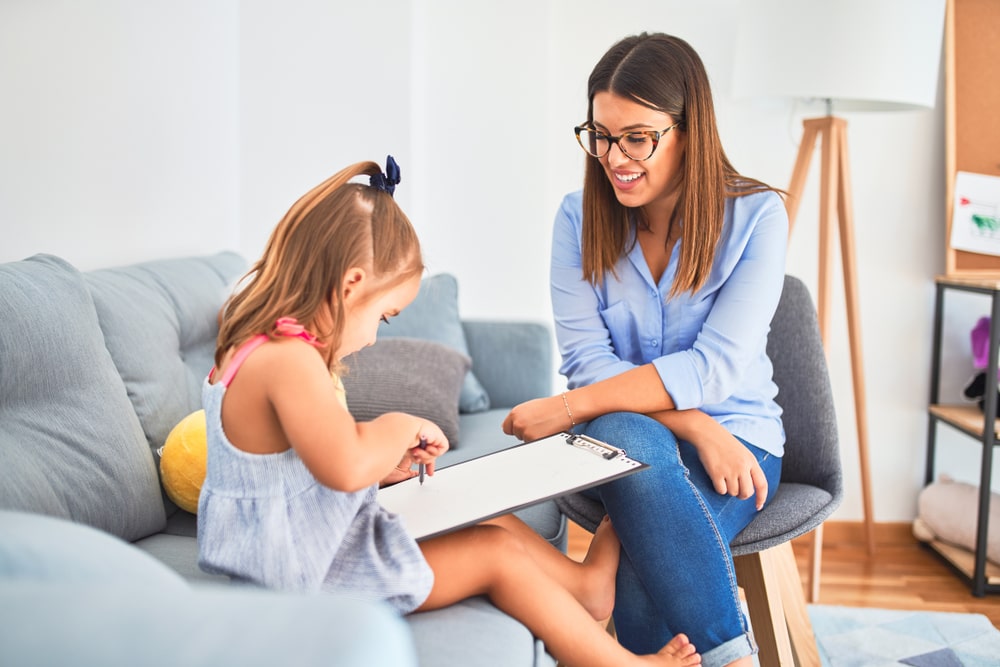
x,y
98,567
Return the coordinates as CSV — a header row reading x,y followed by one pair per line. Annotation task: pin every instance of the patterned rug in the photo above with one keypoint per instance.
x,y
865,637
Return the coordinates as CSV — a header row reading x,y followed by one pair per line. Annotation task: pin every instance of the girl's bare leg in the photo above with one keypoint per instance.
x,y
591,582
491,560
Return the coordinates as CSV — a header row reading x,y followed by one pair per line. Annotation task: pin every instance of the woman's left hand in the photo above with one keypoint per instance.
x,y
733,469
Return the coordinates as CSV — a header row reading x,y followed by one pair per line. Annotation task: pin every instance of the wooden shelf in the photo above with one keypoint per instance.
x,y
968,418
964,561
989,280
972,144
982,575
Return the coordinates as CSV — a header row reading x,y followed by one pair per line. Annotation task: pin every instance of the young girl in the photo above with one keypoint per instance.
x,y
289,500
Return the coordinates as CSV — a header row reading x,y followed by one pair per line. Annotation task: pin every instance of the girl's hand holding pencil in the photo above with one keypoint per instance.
x,y
429,443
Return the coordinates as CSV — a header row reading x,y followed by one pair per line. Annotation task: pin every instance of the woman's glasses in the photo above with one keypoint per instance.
x,y
635,145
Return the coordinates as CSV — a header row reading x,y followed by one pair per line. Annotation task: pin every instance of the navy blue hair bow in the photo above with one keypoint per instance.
x,y
390,179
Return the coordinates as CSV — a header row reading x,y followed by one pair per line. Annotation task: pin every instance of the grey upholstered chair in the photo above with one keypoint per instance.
x,y
810,490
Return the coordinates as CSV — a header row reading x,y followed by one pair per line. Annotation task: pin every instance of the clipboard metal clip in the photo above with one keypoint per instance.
x,y
594,446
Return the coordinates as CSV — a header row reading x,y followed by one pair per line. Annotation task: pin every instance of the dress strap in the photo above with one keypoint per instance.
x,y
289,326
285,326
241,356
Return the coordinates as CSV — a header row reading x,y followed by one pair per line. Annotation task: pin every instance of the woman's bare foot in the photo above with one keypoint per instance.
x,y
679,652
601,565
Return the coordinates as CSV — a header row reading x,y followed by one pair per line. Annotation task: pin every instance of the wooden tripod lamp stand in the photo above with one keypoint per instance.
x,y
862,55
835,205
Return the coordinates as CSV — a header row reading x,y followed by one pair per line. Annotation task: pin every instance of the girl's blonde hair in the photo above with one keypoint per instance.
x,y
664,73
335,226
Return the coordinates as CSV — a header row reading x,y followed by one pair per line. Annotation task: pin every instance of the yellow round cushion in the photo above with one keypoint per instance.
x,y
182,461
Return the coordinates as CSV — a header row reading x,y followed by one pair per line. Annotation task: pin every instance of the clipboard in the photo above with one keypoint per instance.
x,y
499,483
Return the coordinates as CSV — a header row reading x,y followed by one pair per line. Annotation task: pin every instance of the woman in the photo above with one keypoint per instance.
x,y
666,271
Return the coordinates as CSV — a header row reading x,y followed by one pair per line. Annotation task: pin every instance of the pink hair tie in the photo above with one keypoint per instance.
x,y
289,326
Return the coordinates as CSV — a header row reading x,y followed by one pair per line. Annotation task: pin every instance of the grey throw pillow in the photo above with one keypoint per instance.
x,y
433,315
71,445
418,377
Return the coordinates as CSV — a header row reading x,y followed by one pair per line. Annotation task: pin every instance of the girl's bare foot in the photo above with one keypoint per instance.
x,y
679,652
601,565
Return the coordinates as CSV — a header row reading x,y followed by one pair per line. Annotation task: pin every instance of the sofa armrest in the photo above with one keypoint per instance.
x,y
75,595
511,359
124,623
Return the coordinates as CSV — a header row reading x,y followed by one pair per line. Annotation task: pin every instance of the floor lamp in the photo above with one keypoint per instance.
x,y
855,55
835,204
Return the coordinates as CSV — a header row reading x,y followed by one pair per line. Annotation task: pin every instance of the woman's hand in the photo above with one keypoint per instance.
x,y
732,467
537,419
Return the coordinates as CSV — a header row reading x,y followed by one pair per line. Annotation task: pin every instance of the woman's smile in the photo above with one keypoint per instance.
x,y
625,180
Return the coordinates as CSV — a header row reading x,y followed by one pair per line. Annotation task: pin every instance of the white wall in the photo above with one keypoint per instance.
x,y
322,85
133,130
118,129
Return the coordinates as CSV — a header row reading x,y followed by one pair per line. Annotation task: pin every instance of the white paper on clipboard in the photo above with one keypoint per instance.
x,y
511,479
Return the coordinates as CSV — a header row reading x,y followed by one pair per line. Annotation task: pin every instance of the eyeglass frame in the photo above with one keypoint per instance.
x,y
655,135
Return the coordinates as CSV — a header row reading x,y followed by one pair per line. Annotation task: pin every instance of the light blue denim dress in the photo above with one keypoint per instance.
x,y
264,519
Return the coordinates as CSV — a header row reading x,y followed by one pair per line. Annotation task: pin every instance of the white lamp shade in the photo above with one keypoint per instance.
x,y
864,55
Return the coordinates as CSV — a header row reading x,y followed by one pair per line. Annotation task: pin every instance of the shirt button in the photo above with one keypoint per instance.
x,y
653,342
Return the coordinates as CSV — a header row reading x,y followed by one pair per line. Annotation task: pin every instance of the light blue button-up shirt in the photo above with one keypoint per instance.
x,y
708,348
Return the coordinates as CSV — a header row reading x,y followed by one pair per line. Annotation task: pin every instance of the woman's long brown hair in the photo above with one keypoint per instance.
x,y
664,73
335,226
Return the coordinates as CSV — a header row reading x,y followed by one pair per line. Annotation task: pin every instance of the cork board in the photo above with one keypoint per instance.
x,y
972,114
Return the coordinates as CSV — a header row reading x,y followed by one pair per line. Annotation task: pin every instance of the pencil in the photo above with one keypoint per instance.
x,y
422,467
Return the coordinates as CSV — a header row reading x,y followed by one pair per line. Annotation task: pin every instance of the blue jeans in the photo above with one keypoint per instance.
x,y
676,572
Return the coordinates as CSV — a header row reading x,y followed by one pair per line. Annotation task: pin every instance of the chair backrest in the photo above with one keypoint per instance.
x,y
812,454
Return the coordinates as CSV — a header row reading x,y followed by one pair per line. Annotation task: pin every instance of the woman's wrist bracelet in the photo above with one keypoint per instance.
x,y
569,413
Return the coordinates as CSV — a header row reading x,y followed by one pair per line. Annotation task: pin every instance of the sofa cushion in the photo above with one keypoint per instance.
x,y
160,323
513,359
180,554
34,547
70,445
482,434
433,315
474,633
418,377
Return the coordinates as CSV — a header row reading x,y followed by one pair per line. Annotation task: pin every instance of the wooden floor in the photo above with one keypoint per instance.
x,y
901,575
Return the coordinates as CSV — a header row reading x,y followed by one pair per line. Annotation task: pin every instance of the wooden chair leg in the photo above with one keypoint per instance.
x,y
778,613
799,626
761,585
815,564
